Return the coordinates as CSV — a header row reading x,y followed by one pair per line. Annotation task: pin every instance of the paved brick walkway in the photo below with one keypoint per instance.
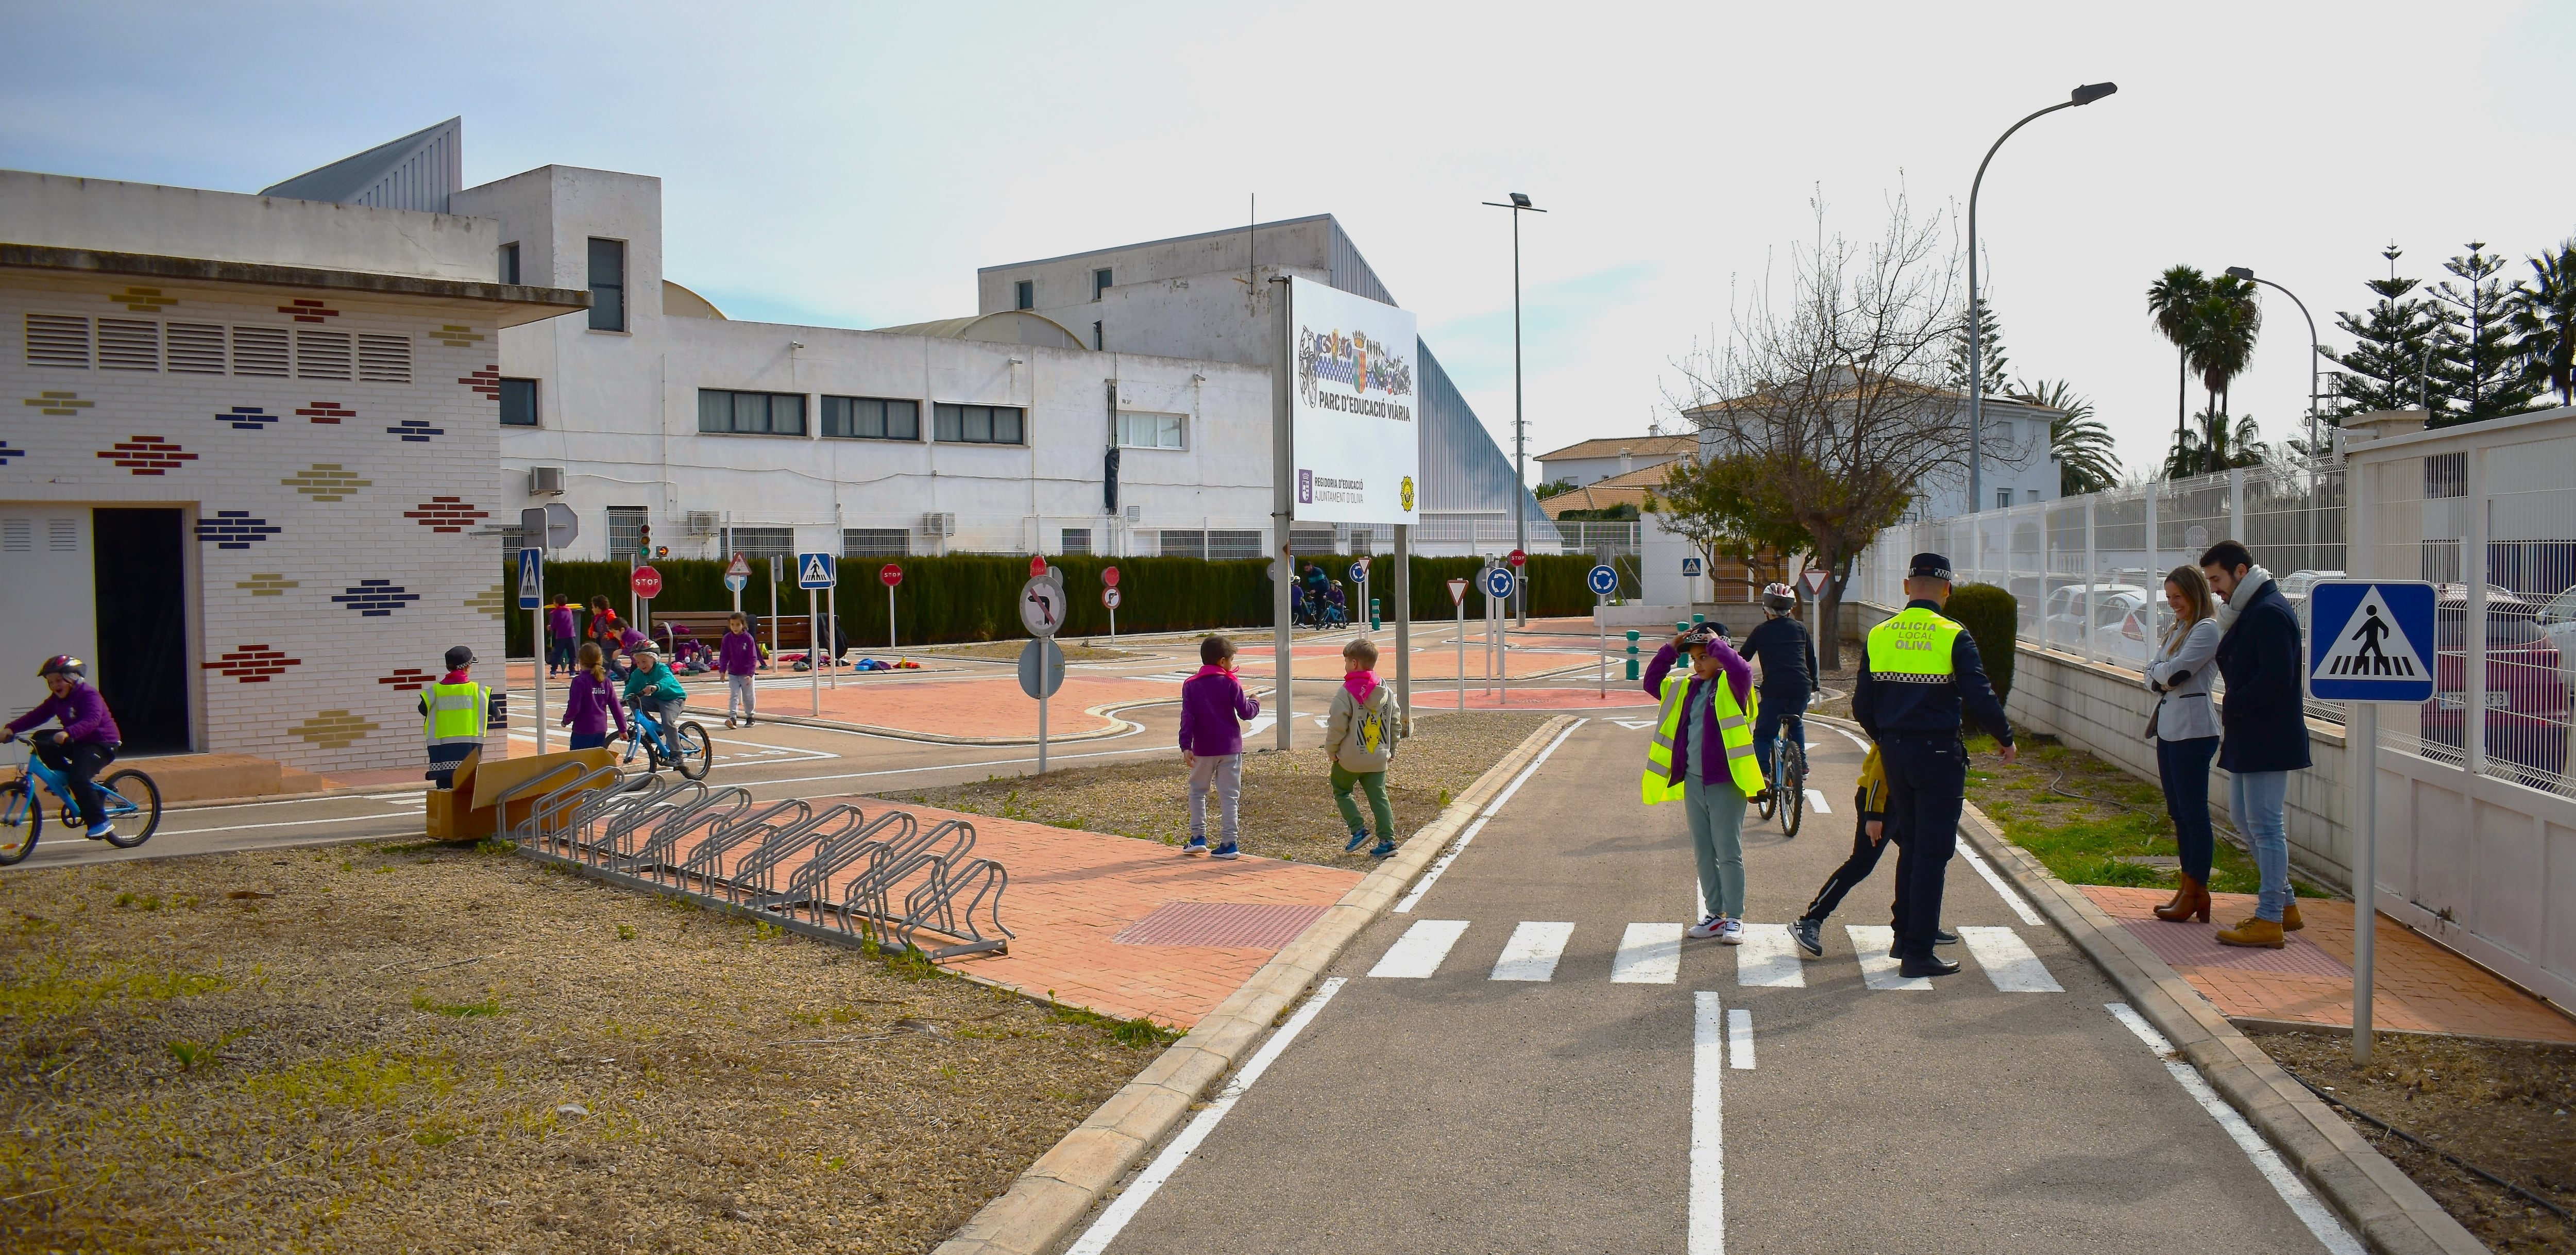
x,y
2418,986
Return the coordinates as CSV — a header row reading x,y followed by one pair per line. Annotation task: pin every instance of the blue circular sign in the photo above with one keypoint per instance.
x,y
1604,580
1498,581
1359,571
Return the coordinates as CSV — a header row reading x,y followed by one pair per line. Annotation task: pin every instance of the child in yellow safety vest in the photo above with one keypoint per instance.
x,y
1702,754
453,713
1869,840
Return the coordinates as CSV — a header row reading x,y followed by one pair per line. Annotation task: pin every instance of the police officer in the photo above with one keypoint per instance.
x,y
1922,670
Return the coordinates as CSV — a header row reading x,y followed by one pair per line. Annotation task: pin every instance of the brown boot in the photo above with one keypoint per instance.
x,y
2191,899
2257,931
2290,921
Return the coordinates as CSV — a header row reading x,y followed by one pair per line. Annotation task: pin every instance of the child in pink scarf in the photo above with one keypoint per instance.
x,y
1360,735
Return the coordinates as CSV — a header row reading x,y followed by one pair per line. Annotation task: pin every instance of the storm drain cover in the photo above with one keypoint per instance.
x,y
1268,925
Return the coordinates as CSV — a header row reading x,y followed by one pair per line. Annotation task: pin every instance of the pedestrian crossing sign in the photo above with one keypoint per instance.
x,y
2371,641
531,581
816,570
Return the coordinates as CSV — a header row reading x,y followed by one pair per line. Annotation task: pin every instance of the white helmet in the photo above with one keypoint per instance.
x,y
1777,599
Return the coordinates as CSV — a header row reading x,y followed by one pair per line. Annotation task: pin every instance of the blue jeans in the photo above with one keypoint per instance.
x,y
1766,725
2254,800
588,740
2182,767
1716,813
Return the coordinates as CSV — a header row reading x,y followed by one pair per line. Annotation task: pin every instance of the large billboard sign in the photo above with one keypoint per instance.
x,y
1355,410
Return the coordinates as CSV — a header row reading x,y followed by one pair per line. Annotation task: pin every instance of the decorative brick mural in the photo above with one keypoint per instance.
x,y
414,431
327,481
251,664
457,337
305,310
334,729
268,584
59,404
445,514
235,529
486,381
326,412
8,451
143,300
495,601
247,418
407,680
375,599
147,455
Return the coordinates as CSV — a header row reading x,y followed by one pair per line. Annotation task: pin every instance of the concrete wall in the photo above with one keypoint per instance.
x,y
59,212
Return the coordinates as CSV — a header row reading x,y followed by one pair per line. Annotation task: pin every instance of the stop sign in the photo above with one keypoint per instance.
x,y
1109,576
1037,565
890,575
1517,558
646,582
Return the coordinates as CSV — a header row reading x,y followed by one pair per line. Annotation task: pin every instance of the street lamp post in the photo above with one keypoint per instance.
x,y
2316,348
2084,95
1520,203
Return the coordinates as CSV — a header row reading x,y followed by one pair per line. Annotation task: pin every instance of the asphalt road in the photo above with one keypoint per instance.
x,y
1458,1111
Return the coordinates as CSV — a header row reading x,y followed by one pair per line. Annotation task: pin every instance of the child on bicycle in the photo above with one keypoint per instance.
x,y
652,690
591,710
1788,657
83,743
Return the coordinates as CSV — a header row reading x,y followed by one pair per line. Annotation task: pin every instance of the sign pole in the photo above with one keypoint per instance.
x,y
773,611
1042,705
1462,653
1601,639
537,624
832,629
1404,628
814,649
2364,738
1283,510
890,632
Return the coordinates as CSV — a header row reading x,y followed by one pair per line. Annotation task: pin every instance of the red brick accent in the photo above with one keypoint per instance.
x,y
147,455
252,664
308,311
327,412
407,680
486,381
446,514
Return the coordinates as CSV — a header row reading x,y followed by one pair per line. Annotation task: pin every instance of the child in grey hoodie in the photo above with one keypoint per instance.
x,y
1360,734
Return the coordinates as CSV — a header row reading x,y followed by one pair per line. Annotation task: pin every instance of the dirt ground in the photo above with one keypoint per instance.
x,y
2503,1106
440,1049
1009,651
1287,809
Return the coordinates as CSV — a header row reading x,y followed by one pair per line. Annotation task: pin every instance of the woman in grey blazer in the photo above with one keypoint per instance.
x,y
2186,733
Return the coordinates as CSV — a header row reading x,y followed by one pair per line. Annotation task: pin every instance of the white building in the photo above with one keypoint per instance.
x,y
251,441
1608,457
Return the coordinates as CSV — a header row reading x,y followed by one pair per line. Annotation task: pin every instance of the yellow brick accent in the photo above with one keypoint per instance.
x,y
494,601
269,584
457,337
143,300
63,403
327,481
334,729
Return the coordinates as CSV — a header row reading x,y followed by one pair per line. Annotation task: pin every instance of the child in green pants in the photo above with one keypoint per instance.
x,y
1360,736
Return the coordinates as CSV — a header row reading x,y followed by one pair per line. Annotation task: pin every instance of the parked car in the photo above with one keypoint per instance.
x,y
2298,584
2557,621
2113,621
2526,697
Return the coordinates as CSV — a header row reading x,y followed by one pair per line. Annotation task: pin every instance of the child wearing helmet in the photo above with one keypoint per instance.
x,y
84,741
1787,655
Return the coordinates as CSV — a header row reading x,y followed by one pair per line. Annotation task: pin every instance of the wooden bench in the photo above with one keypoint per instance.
x,y
708,627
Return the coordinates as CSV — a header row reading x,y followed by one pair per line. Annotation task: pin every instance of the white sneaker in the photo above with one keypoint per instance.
x,y
1731,933
1711,927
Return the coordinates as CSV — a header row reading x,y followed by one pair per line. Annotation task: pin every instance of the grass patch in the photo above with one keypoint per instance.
x,y
50,988
1139,1032
2082,817
370,1080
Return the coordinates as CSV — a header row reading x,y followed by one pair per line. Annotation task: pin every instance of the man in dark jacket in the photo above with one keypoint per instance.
x,y
2262,725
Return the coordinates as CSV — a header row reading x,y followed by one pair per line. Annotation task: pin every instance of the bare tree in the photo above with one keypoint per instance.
x,y
1822,409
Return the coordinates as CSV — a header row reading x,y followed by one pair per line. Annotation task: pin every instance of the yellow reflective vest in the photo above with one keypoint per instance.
x,y
456,713
1734,729
1914,647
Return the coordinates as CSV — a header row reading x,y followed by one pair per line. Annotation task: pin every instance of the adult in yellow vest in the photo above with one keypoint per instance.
x,y
1702,754
1921,672
453,713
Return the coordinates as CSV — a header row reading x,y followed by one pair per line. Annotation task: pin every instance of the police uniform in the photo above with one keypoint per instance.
x,y
453,716
1921,673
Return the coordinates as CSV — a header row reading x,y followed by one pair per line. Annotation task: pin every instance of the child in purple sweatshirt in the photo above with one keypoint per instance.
x,y
738,656
591,709
1212,705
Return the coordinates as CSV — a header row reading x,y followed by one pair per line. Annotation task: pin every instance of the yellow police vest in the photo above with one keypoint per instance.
x,y
1912,648
455,714
1734,730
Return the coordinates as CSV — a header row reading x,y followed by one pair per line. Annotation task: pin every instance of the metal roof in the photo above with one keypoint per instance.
x,y
418,171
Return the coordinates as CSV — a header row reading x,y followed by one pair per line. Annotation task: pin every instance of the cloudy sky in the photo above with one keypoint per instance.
x,y
853,165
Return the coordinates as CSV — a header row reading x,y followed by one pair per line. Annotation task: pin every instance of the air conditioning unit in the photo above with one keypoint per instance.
x,y
545,481
938,524
702,523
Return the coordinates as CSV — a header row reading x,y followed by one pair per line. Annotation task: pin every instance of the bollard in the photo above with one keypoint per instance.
x,y
1375,623
1632,653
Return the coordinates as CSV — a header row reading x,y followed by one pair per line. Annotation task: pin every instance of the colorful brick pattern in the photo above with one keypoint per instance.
x,y
8,451
375,599
59,404
267,584
147,455
495,601
407,680
252,664
486,381
334,729
445,514
143,300
247,418
457,337
308,310
414,431
326,412
235,529
327,481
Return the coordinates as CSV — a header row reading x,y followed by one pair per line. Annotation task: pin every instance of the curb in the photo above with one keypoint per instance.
x,y
1051,1199
2388,1211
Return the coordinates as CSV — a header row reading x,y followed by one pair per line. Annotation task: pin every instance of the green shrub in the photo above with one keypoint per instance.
x,y
1989,614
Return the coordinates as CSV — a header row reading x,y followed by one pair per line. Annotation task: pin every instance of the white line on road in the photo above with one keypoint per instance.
x,y
2011,896
1739,1039
1649,954
1141,1190
1769,957
2321,1222
1877,967
1432,877
1417,954
1816,802
1854,739
1532,952
2008,961
1707,1150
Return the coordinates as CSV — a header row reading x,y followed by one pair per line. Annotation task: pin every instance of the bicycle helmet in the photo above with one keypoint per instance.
x,y
1778,599
63,663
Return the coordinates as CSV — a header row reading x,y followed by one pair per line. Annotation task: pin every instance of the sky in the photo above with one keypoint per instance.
x,y
852,165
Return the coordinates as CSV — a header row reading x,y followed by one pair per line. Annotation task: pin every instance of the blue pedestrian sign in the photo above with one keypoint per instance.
x,y
817,570
1690,568
531,577
2370,641
1498,581
1604,581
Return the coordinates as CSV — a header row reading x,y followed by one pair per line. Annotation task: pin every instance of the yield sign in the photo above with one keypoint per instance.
x,y
1457,592
1815,578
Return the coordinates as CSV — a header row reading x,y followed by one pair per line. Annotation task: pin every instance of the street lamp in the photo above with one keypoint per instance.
x,y
2316,349
1520,204
2084,95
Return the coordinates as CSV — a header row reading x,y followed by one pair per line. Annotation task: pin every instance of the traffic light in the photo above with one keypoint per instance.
x,y
643,541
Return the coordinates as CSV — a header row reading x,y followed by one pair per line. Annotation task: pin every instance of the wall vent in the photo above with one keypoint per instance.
x,y
384,359
260,351
129,344
197,348
321,354
57,340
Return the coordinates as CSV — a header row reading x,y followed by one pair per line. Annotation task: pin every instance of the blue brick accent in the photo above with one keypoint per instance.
x,y
235,529
415,430
8,451
375,599
247,418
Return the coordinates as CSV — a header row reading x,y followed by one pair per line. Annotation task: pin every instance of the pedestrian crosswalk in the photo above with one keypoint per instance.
x,y
1653,954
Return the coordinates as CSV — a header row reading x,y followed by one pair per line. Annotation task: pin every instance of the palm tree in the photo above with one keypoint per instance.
x,y
2173,300
2213,444
2545,320
2225,322
2082,446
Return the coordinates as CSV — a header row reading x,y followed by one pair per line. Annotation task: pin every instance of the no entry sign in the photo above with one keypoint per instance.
x,y
646,582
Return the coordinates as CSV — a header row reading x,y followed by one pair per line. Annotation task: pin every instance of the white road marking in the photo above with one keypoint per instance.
x,y
1122,1209
1259,725
1854,738
1877,969
1649,954
1417,954
1816,802
1739,1039
1707,1149
1769,958
1432,877
2003,889
1634,724
1532,952
2329,1231
2008,961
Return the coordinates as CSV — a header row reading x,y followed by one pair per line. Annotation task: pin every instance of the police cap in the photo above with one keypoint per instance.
x,y
1929,566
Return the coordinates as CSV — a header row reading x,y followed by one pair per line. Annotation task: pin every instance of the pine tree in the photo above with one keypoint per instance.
x,y
1990,353
2479,359
2383,367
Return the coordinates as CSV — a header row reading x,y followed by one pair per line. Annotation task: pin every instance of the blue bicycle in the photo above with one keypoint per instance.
x,y
1788,796
133,808
685,748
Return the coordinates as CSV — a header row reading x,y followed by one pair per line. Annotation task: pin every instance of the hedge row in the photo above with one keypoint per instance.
x,y
968,597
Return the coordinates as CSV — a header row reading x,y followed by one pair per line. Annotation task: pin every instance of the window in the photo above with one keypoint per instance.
x,y
1026,290
1222,545
751,413
1149,431
2030,495
2003,498
625,530
1077,540
1180,544
607,285
384,359
57,340
876,542
979,424
510,262
871,418
1099,282
518,402
757,543
321,354
512,540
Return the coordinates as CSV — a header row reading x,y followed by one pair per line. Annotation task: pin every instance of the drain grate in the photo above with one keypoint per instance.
x,y
1264,924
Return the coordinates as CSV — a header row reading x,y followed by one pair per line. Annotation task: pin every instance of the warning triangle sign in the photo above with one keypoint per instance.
x,y
2371,646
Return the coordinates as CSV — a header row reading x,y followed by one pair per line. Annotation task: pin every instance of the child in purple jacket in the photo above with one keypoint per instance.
x,y
591,709
738,655
1212,704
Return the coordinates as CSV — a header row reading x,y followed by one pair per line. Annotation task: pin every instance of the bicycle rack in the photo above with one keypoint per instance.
x,y
660,860
754,879
705,865
934,907
933,854
663,838
809,886
555,799
614,840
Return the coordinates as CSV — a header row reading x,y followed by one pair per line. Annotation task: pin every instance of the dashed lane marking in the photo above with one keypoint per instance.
x,y
1707,1234
2011,896
1533,951
1739,1039
1417,954
1816,802
2008,961
1649,954
1769,958
1878,968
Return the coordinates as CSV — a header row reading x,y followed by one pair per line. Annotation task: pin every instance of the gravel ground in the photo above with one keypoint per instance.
x,y
1287,810
2507,1107
436,1049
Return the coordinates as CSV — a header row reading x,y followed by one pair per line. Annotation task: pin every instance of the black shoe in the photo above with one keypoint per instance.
x,y
1928,965
1944,937
1810,935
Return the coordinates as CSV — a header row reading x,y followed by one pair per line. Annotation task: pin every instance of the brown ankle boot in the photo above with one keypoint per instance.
x,y
2191,899
2258,931
2173,910
2290,921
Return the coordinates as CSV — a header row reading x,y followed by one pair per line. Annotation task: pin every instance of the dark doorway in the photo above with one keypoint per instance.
x,y
142,666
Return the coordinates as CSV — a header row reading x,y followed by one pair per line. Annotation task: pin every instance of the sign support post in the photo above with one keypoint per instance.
x,y
832,631
773,611
817,574
532,594
2363,736
1458,598
814,649
1404,628
1283,510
